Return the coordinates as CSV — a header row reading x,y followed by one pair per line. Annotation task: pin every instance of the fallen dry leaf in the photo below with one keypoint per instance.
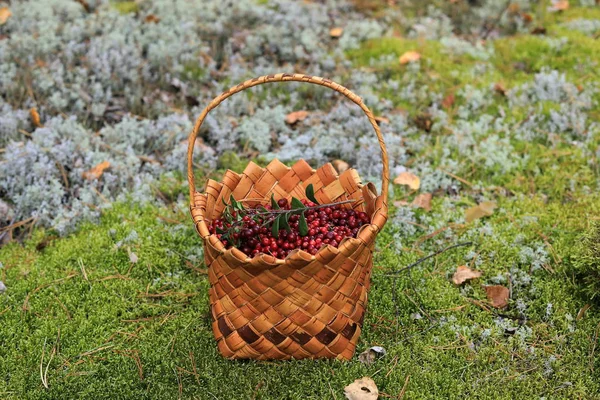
x,y
497,295
295,116
484,209
340,165
409,56
448,101
382,120
408,179
540,30
423,201
96,172
35,118
513,8
463,274
369,356
4,15
336,32
500,89
151,18
559,5
527,18
362,389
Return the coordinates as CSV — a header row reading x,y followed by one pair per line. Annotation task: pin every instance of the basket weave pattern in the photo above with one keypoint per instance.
x,y
304,306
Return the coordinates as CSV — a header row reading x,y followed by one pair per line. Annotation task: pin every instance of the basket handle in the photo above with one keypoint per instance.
x,y
385,175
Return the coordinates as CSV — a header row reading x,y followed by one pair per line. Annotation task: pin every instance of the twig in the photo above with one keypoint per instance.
x,y
421,260
403,391
82,267
595,340
42,366
458,178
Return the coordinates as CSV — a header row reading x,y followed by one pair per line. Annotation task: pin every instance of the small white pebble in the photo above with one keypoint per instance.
x,y
2,287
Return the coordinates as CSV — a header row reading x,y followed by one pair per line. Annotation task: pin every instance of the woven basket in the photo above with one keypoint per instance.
x,y
304,306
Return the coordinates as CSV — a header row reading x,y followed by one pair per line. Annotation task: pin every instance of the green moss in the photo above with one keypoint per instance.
x,y
230,160
519,56
125,7
586,261
111,313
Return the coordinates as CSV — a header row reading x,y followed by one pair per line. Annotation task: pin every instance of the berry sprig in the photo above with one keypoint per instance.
x,y
281,226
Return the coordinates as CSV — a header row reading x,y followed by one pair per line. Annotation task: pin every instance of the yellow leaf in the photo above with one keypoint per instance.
x,y
484,209
408,179
559,5
409,56
295,116
336,32
463,274
4,15
362,389
96,172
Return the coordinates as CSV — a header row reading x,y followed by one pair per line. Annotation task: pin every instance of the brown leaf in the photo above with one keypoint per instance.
x,y
513,8
559,5
484,209
409,56
527,18
382,120
151,18
582,311
539,30
340,165
362,389
497,295
336,32
35,118
408,179
295,116
448,101
500,89
463,274
96,172
423,200
4,15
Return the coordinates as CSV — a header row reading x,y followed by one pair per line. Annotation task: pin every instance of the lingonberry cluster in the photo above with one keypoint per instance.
x,y
279,228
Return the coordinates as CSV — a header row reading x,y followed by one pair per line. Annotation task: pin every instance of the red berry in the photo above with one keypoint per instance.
x,y
282,203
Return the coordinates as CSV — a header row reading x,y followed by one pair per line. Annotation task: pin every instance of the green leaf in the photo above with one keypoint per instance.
x,y
274,204
283,221
310,193
236,205
275,228
302,226
297,204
